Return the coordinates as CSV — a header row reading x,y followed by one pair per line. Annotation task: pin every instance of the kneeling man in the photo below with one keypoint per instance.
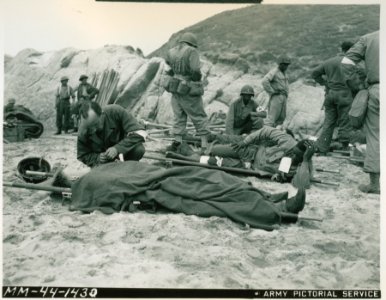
x,y
104,134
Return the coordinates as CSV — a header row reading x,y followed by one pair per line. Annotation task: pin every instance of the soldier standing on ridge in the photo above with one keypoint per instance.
x,y
338,100
85,93
275,83
242,112
187,89
367,49
63,105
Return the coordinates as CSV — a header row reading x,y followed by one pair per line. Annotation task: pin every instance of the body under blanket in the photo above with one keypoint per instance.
x,y
191,190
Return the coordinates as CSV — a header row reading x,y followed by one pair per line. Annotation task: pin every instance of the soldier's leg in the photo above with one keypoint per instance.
x,y
59,116
275,107
67,115
136,153
372,159
330,119
194,108
283,114
180,118
343,107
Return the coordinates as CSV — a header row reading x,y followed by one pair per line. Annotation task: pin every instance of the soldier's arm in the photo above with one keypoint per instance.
x,y
229,124
94,91
267,82
317,75
253,138
130,125
85,154
352,57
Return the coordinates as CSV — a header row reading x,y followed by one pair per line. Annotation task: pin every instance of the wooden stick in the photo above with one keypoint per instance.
x,y
327,170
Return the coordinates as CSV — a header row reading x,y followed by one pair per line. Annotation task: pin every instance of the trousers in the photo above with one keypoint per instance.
x,y
63,114
277,110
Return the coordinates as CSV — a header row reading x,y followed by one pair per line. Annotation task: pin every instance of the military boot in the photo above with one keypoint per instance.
x,y
58,132
373,187
296,203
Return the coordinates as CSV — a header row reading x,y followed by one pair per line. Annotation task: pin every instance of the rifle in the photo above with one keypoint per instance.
x,y
226,169
65,192
327,170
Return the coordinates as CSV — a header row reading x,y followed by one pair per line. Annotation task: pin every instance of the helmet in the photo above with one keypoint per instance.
x,y
83,77
284,60
189,38
247,90
64,78
33,164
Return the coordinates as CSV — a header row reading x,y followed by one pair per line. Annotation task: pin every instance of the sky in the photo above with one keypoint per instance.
x,y
85,24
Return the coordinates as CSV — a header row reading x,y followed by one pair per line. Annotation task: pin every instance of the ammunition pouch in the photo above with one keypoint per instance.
x,y
183,88
172,85
196,88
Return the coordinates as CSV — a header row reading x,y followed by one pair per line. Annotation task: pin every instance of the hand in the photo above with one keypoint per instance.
x,y
238,146
311,148
103,158
111,153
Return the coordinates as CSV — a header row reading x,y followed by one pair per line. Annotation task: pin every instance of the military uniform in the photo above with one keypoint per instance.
x,y
63,106
239,119
337,103
275,83
367,49
187,101
118,129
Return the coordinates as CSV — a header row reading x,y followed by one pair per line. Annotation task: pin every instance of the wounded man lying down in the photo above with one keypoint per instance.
x,y
113,187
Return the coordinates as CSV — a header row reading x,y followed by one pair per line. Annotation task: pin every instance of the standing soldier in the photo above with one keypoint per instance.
x,y
187,89
64,94
85,93
239,119
275,83
367,49
338,100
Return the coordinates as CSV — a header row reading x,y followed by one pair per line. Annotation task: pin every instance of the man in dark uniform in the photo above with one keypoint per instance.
x,y
104,135
239,118
338,100
85,92
187,89
63,103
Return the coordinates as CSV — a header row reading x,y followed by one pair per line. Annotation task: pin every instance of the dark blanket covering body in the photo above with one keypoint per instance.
x,y
191,190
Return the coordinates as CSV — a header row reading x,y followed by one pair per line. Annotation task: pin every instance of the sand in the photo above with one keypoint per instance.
x,y
46,244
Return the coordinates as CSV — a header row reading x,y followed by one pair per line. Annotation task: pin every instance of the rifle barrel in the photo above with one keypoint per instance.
x,y
31,186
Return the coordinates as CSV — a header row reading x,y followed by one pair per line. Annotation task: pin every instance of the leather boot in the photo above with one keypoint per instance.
x,y
296,203
58,132
175,144
373,187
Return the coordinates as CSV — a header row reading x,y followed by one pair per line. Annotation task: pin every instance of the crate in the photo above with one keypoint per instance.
x,y
14,133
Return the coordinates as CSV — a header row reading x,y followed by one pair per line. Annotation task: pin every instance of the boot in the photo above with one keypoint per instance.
x,y
373,187
58,132
175,144
296,203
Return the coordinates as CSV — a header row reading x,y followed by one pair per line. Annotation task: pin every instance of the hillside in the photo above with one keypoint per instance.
x,y
250,38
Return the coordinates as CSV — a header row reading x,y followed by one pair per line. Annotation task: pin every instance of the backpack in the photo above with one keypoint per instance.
x,y
358,109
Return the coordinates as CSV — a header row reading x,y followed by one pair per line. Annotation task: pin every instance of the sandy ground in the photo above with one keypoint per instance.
x,y
45,244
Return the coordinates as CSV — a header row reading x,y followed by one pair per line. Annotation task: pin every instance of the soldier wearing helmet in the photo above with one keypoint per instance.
x,y
10,106
63,96
187,89
275,83
240,115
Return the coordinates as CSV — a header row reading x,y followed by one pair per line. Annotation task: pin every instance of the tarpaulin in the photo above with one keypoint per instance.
x,y
191,190
32,127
